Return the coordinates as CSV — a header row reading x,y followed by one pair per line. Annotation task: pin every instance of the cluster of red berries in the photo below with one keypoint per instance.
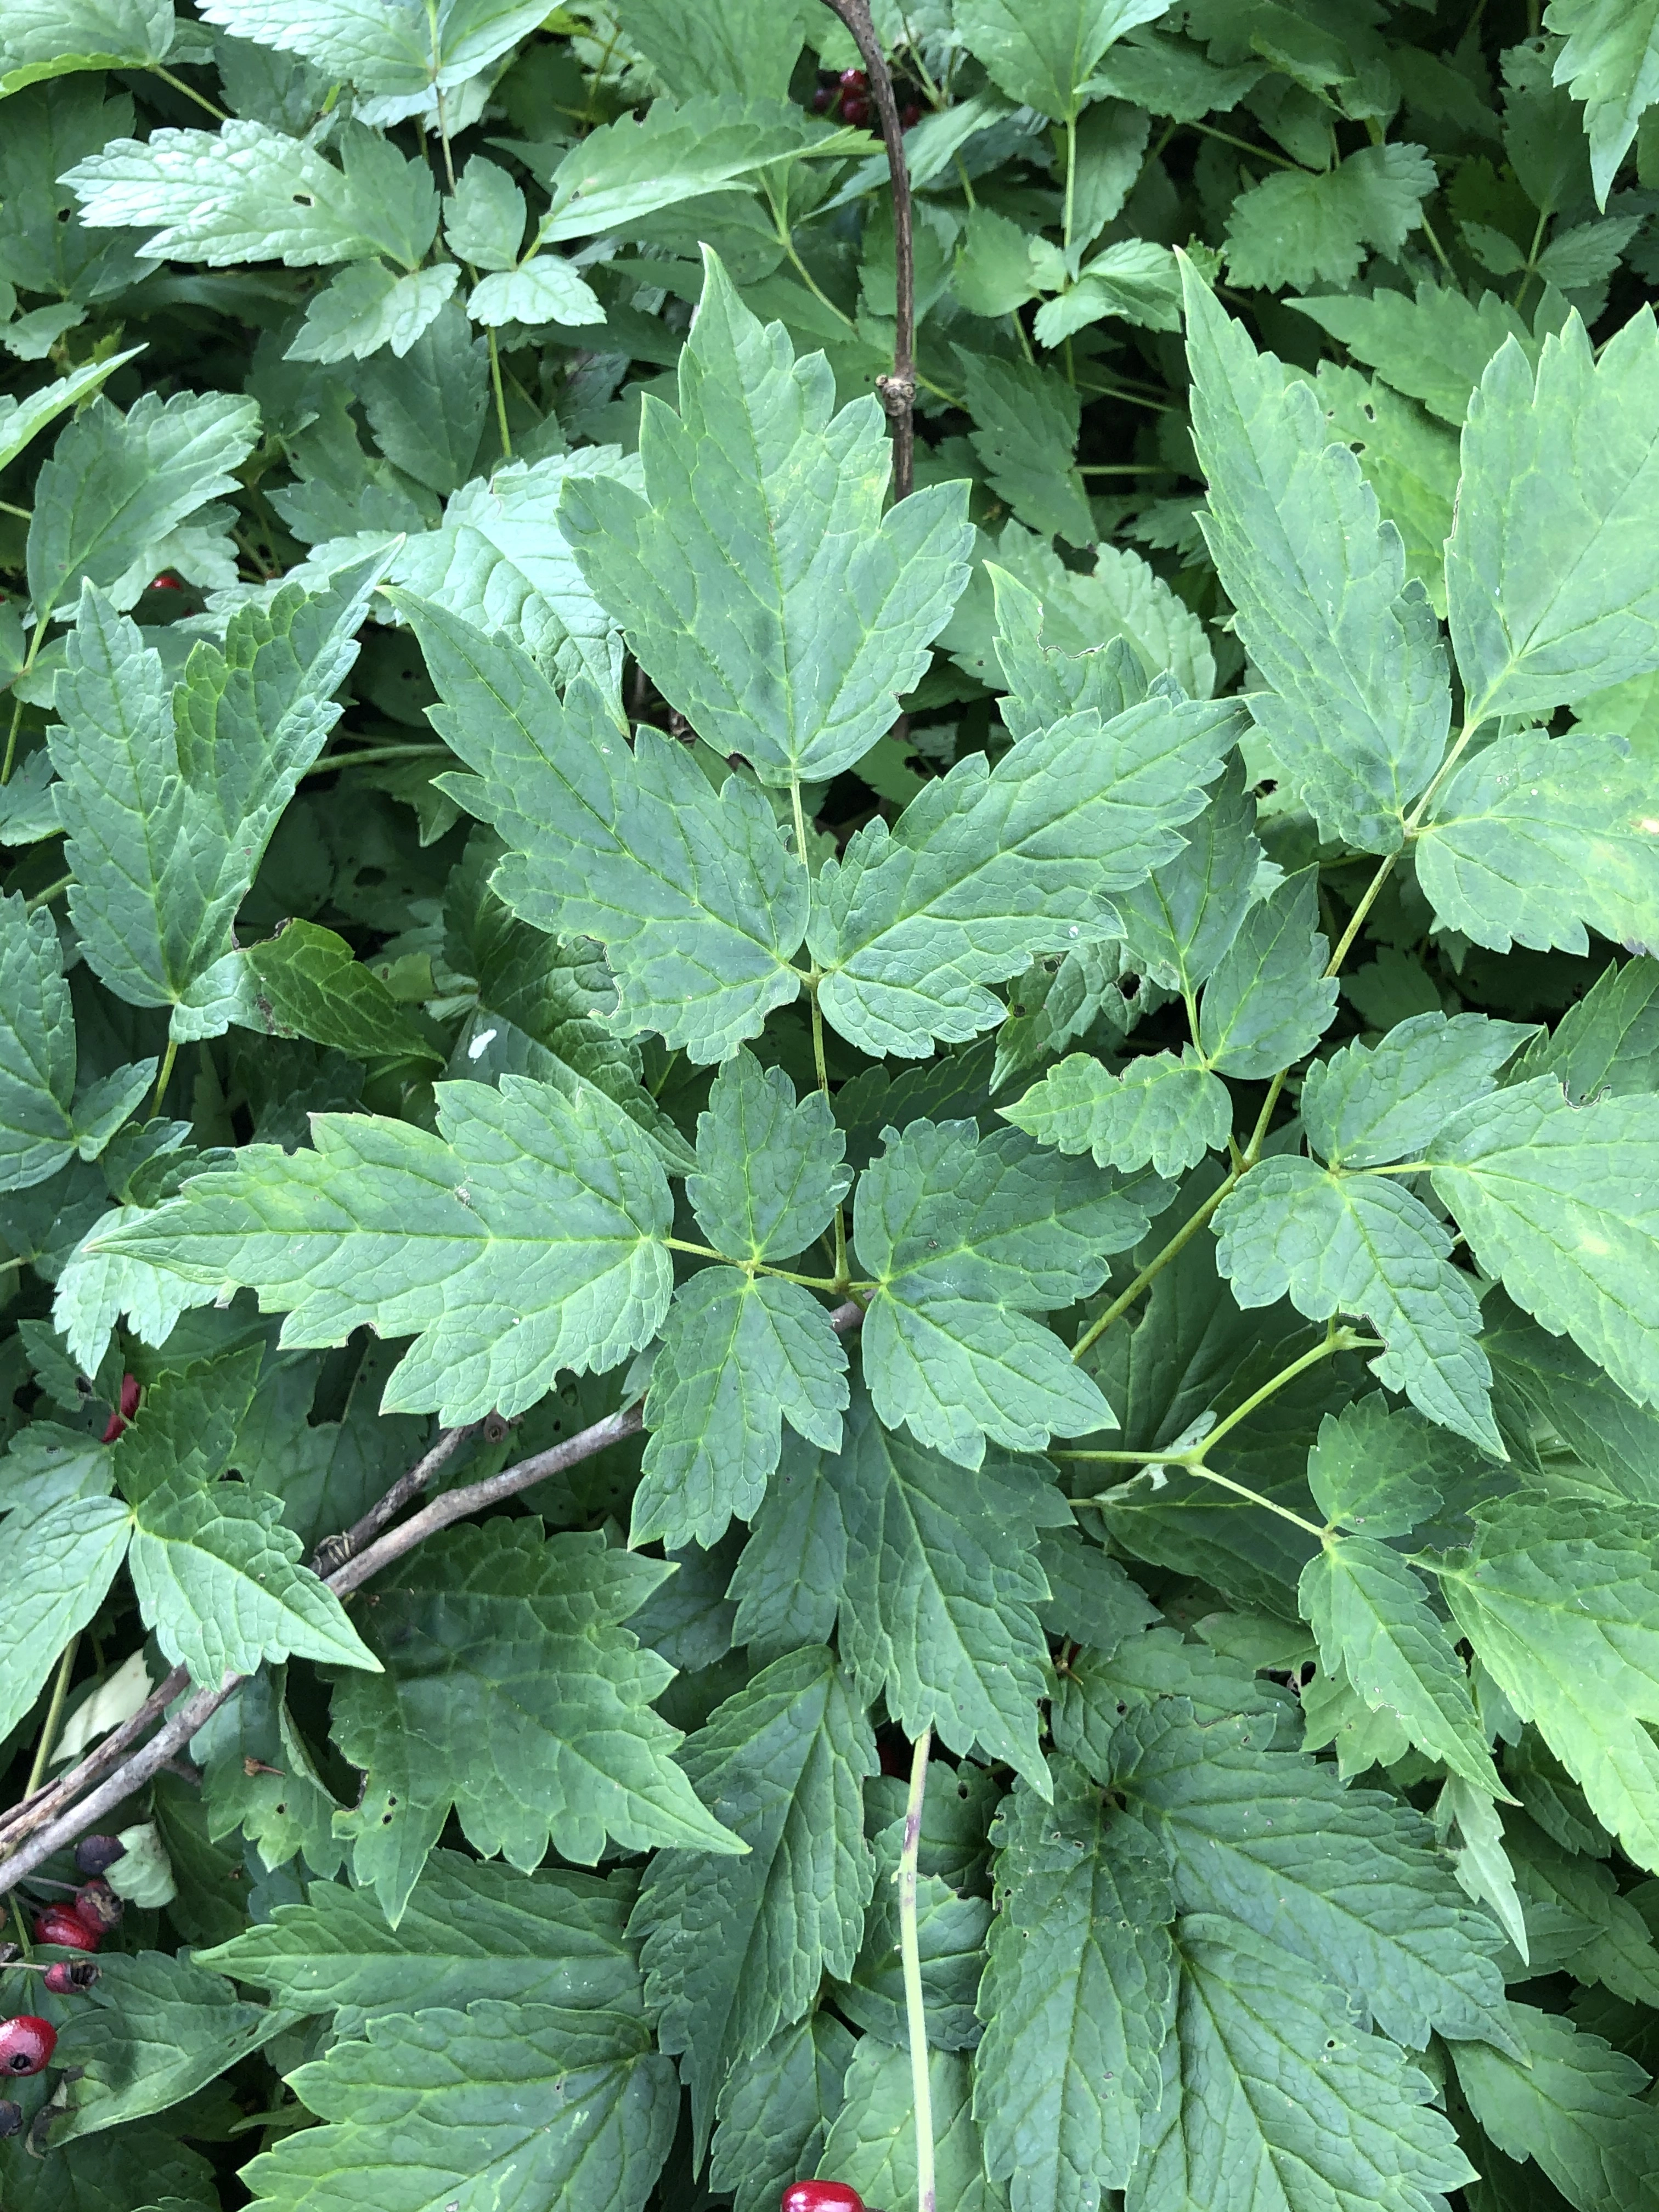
x,y
848,96
81,1926
27,2041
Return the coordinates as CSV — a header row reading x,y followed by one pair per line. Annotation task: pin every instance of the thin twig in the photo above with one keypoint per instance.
x,y
916,2007
333,1551
898,390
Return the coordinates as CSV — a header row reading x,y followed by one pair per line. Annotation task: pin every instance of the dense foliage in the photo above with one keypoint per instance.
x,y
1021,1121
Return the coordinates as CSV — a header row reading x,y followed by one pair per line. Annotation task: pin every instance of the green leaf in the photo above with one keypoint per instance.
x,y
989,866
380,47
69,1551
1372,1615
443,1235
116,485
769,1173
872,2145
1609,1040
1410,462
507,1647
787,1585
427,411
515,2104
1610,62
1072,611
1346,1880
615,176
1563,1203
23,419
1026,434
1276,2095
1090,1597
1166,1110
1599,1935
1571,2104
484,217
44,38
1045,58
951,1932
470,1930
1178,924
1537,835
777,2110
693,893
37,1049
739,1356
964,1237
1077,1998
169,797
1268,1000
1297,228
1358,1244
1134,278
735,1950
111,2173
366,306
1547,571
939,1591
1560,1613
1433,346
758,580
1378,1470
1359,702
259,1774
1544,1385
156,2030
546,289
1368,1104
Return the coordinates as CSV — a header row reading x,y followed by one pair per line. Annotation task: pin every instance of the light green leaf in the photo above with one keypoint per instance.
x,y
1044,58
1276,2096
507,1647
1162,1110
546,289
305,981
37,1049
170,797
872,2142
1571,2104
1367,1103
1078,1997
1360,702
155,2030
1077,612
1372,1615
484,217
43,38
366,306
693,893
1026,434
1346,1880
758,580
1537,835
1563,1203
1268,1000
788,1582
71,1548
1560,1613
1299,229
523,1236
966,1239
1134,278
1358,1244
776,2109
735,1950
739,1356
1379,1470
502,2104
471,1928
1177,924
381,47
989,866
1609,1040
769,1173
617,175
219,1580
939,1593
21,420
1610,62
116,485
1410,462
1433,346
1549,571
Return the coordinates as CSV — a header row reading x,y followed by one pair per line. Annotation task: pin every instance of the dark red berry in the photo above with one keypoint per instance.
x,y
910,114
854,80
854,109
97,1854
26,2044
62,1926
98,1904
11,2116
64,1979
823,99
821,2197
165,583
128,1407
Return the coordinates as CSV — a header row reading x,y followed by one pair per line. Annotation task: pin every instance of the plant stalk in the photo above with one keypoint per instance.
x,y
916,2010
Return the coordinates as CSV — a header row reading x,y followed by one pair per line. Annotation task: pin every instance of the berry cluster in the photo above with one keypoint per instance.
x,y
79,1926
848,96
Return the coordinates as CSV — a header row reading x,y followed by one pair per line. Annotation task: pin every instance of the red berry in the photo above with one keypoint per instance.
x,y
97,1854
165,583
62,1926
26,2044
854,109
854,80
11,2116
97,1904
821,2197
64,1980
910,114
129,1406
823,99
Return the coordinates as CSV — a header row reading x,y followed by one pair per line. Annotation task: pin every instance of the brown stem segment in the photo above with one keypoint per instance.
x,y
897,390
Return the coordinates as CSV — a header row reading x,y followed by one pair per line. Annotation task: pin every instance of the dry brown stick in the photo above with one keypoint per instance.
x,y
32,1847
27,1814
333,1551
898,389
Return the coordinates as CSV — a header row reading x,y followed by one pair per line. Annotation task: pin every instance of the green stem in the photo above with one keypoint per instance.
x,y
1531,268
916,2010
54,1714
1436,247
1255,1498
368,754
501,396
189,91
23,514
1069,214
699,1251
166,1076
1177,1243
42,898
1245,146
